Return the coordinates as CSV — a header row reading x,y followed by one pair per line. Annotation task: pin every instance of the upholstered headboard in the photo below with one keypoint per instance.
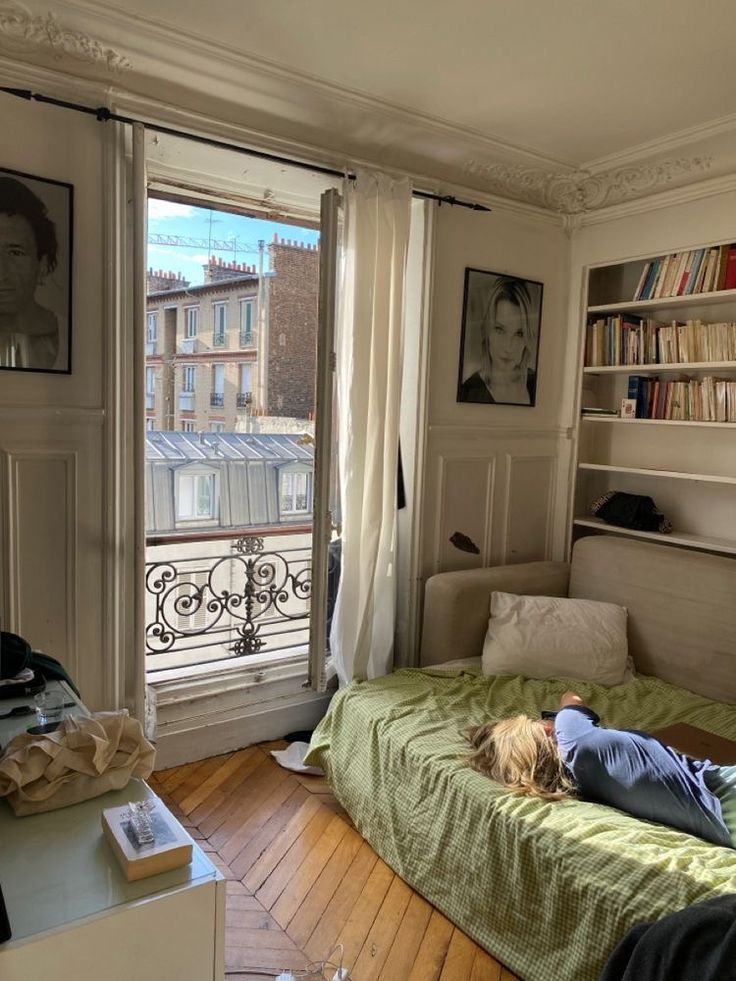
x,y
681,605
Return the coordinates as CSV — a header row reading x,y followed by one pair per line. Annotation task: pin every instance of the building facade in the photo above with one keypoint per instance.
x,y
203,370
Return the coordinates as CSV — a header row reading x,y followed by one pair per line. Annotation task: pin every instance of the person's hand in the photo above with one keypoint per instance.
x,y
570,698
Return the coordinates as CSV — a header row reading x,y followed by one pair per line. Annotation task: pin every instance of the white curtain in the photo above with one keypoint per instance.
x,y
369,351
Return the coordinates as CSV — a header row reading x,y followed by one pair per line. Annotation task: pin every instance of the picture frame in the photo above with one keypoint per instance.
x,y
499,338
36,240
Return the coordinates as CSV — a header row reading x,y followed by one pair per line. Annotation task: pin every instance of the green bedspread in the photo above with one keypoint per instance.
x,y
547,888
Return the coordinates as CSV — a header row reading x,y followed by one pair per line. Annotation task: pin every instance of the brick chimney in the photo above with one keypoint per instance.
x,y
159,281
216,270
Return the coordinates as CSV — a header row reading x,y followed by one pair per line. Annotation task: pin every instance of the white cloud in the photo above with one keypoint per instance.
x,y
168,209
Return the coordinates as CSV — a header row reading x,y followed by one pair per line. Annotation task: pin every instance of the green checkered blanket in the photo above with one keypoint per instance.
x,y
547,888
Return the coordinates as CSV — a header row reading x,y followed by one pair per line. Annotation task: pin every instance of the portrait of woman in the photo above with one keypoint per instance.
x,y
35,291
500,339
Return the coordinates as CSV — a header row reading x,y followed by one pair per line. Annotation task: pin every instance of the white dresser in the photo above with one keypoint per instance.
x,y
74,916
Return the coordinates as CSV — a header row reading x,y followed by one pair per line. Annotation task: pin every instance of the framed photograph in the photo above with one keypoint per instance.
x,y
36,216
499,343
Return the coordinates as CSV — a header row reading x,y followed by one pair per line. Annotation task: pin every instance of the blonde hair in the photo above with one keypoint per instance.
x,y
519,754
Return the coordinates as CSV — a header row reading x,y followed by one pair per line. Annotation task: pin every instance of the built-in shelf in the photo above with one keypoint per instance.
x,y
659,422
666,302
711,478
652,369
703,542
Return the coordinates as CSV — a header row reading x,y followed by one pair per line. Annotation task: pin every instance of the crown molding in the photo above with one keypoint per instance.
x,y
23,31
582,191
664,199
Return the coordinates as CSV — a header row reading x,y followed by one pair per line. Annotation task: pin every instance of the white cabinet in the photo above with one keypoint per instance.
x,y
687,466
72,913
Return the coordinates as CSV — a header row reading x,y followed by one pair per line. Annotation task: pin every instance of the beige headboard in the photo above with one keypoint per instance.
x,y
681,604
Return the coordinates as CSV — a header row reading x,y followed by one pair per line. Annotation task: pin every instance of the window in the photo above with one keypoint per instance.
x,y
217,427
191,321
150,381
246,378
195,496
220,326
188,378
217,395
247,319
150,423
151,328
188,426
296,493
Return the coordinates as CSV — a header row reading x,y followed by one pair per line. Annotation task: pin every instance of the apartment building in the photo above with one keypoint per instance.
x,y
203,342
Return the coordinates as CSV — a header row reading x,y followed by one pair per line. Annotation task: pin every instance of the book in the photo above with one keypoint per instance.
x,y
171,848
730,280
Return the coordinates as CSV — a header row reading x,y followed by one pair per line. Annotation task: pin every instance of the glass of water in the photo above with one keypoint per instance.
x,y
49,707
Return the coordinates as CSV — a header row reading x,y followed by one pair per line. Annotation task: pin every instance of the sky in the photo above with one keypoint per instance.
x,y
170,218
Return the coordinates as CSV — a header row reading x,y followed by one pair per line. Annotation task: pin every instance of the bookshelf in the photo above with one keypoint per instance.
x,y
681,450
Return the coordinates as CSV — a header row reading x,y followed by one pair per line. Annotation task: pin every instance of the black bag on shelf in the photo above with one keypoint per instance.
x,y
635,511
16,654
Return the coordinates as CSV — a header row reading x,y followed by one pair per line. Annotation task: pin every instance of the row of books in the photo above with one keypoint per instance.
x,y
684,273
687,399
626,340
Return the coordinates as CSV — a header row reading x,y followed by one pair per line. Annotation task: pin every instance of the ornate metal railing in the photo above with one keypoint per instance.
x,y
217,604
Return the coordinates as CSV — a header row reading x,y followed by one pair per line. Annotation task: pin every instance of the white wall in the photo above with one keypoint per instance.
x,y
52,427
491,470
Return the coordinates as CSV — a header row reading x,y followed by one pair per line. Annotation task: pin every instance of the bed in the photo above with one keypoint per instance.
x,y
547,888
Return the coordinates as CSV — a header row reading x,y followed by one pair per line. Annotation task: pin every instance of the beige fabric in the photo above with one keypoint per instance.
x,y
681,604
456,604
84,758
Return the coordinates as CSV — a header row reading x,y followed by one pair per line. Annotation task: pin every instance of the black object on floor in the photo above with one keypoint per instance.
x,y
303,736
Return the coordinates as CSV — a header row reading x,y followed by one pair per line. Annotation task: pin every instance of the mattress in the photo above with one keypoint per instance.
x,y
548,888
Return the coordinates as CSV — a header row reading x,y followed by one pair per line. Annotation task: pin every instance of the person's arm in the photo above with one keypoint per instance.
x,y
570,698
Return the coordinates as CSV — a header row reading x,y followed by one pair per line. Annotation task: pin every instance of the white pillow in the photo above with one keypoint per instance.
x,y
551,637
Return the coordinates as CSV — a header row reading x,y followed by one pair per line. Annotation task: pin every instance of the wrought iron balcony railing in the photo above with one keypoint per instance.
x,y
218,339
209,601
244,399
247,338
217,398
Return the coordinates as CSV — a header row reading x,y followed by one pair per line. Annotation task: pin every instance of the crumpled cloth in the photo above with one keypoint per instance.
x,y
83,758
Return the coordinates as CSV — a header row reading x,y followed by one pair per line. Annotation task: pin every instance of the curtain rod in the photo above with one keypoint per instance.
x,y
103,115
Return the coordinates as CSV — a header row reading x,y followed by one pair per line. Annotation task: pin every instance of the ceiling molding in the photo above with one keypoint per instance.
x,y
23,31
582,191
168,66
664,199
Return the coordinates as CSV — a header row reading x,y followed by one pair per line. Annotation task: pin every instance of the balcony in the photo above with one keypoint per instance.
x,y
218,339
247,338
186,401
244,400
217,398
188,345
213,600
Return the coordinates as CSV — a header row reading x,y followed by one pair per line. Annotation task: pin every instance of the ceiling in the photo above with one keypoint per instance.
x,y
482,92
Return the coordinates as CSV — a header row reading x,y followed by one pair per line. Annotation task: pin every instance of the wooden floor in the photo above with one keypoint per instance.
x,y
301,879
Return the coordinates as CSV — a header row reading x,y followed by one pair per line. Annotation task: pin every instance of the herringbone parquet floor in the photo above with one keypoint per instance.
x,y
300,879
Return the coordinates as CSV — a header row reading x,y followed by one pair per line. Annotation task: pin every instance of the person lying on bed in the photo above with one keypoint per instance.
x,y
573,756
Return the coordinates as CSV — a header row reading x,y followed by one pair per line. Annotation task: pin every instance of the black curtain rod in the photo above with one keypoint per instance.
x,y
103,115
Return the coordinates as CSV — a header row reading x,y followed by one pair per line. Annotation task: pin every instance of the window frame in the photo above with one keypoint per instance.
x,y
191,319
196,474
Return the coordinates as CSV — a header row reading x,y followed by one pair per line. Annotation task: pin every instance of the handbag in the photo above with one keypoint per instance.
x,y
19,677
635,511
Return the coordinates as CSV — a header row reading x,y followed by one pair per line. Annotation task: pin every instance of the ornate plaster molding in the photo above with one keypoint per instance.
x,y
580,191
24,31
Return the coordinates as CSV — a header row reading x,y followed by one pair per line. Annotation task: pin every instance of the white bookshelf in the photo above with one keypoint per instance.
x,y
687,467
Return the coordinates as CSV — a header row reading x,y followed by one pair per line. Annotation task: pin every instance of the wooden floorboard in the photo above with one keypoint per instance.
x,y
301,879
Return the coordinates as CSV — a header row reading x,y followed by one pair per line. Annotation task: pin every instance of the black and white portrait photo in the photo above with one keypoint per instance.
x,y
35,273
500,339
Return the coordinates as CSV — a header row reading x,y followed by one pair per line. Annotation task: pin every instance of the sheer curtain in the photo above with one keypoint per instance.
x,y
369,349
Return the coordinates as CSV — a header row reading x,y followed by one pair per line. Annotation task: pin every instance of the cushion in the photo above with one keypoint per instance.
x,y
551,637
